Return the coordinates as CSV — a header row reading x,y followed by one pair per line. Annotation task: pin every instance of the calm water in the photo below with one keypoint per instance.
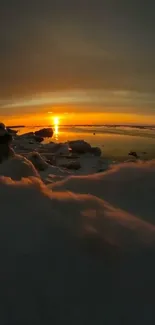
x,y
114,142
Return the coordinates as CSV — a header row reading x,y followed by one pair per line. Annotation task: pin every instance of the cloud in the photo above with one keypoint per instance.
x,y
45,48
101,100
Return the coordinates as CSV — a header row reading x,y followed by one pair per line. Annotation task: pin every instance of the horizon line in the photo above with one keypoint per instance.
x,y
84,125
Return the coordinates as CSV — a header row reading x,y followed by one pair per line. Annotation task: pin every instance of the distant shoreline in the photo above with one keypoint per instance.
x,y
84,125
15,126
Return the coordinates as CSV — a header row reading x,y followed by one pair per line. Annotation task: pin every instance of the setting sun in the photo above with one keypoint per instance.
x,y
56,120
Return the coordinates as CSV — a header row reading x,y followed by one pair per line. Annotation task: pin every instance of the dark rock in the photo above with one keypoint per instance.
x,y
6,139
5,136
80,146
45,133
38,139
31,136
133,153
96,151
27,135
12,132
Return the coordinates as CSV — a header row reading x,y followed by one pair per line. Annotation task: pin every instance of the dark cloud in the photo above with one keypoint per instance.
x,y
53,45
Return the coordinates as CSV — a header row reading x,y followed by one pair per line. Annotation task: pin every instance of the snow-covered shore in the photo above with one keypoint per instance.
x,y
60,159
77,246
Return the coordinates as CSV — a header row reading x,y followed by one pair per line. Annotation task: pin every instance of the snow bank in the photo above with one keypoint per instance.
x,y
18,167
72,259
129,186
38,161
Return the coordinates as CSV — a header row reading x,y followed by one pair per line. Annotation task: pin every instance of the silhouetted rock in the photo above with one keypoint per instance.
x,y
80,146
96,151
133,153
45,133
12,132
27,135
5,143
5,137
31,136
38,139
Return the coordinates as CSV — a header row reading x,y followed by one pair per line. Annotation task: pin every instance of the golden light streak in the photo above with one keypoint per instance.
x,y
56,127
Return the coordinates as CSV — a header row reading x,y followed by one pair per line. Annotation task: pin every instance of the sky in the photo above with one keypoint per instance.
x,y
93,59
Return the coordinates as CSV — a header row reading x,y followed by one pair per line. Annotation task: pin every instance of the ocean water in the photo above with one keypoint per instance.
x,y
115,142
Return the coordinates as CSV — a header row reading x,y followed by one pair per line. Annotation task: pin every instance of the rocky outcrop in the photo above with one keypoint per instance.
x,y
83,147
80,146
27,135
38,139
45,133
96,151
12,132
133,153
31,137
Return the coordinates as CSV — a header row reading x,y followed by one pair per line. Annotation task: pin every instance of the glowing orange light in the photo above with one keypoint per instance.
x,y
56,120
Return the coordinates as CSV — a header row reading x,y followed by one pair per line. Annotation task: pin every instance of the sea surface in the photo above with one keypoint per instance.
x,y
115,141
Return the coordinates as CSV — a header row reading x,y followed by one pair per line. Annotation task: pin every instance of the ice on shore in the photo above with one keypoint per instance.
x,y
64,156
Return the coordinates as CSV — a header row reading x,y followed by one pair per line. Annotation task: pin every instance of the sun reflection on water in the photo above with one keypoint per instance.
x,y
56,128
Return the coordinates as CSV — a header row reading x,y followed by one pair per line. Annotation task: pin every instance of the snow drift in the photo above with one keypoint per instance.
x,y
17,167
128,186
74,259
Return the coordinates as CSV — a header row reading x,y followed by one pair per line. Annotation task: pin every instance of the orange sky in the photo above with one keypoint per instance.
x,y
90,58
77,118
80,107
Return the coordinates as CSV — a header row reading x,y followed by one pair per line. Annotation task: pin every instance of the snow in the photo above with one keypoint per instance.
x,y
76,247
72,258
18,167
39,163
57,148
129,186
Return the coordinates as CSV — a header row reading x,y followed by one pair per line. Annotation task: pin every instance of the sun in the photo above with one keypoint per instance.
x,y
56,120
